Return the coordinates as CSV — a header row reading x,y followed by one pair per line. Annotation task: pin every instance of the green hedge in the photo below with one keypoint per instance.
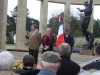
x,y
10,40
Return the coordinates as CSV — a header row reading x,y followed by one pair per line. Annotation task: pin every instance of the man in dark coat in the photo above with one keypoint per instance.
x,y
95,63
68,67
68,38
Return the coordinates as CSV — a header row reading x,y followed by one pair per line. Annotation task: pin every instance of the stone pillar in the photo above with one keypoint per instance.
x,y
21,24
3,22
43,16
90,27
67,14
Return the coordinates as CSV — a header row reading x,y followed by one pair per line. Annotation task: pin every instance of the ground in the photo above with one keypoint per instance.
x,y
80,59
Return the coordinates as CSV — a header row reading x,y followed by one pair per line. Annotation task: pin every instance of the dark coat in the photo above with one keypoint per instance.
x,y
25,71
69,40
68,67
93,65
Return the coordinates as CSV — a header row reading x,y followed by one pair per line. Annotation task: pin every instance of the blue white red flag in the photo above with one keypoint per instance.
x,y
60,36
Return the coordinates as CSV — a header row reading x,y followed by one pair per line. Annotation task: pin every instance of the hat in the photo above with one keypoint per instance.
x,y
51,57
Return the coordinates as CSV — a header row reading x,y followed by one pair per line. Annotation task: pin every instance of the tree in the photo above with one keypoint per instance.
x,y
54,25
96,28
14,12
75,25
11,25
29,22
11,22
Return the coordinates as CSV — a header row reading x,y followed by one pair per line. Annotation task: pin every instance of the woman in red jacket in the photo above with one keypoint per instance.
x,y
48,41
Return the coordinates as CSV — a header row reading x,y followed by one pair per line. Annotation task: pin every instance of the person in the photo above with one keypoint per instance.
x,y
50,63
35,40
48,41
6,63
29,66
68,67
68,38
95,63
88,35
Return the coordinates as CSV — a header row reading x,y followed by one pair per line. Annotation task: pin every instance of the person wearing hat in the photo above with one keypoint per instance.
x,y
50,63
35,40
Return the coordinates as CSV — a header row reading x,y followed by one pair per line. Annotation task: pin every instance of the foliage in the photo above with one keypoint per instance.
x,y
11,25
10,40
54,25
14,12
96,39
80,42
29,22
11,22
96,28
75,25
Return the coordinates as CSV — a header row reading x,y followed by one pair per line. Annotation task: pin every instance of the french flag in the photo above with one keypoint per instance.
x,y
60,36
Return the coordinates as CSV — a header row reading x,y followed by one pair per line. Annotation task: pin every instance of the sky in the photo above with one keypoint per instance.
x,y
53,9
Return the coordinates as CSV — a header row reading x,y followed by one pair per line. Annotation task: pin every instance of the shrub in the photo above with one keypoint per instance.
x,y
80,41
10,40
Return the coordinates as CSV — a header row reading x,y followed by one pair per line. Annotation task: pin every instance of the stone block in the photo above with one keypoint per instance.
x,y
87,52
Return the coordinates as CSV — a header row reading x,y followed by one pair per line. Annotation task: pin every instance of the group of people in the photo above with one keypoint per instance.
x,y
35,40
52,63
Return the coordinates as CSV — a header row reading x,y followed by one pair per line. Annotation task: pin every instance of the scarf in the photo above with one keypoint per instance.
x,y
50,40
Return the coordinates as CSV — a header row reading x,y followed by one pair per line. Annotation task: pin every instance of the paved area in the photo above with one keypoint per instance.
x,y
80,59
